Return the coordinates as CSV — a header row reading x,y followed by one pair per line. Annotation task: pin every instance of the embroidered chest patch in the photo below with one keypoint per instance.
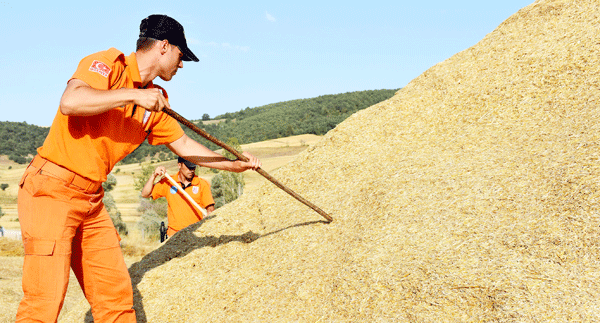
x,y
100,68
195,189
173,190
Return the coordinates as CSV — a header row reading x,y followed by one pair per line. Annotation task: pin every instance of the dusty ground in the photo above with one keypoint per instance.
x,y
11,292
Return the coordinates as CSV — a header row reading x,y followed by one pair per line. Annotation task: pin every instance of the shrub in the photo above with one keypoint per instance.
x,y
119,223
115,214
141,178
227,186
149,225
110,183
159,206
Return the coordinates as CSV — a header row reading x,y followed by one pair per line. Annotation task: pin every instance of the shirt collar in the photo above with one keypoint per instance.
x,y
194,182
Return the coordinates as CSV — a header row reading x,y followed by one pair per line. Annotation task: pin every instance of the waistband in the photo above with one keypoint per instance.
x,y
49,168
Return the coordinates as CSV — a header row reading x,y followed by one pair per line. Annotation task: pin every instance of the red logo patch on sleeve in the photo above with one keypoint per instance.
x,y
100,68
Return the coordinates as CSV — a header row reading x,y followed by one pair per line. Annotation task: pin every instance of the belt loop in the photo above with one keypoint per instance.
x,y
70,179
89,185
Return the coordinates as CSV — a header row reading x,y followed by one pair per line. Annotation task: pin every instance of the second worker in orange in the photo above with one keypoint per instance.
x,y
180,213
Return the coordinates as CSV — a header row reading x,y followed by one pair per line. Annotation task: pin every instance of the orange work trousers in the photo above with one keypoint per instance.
x,y
64,225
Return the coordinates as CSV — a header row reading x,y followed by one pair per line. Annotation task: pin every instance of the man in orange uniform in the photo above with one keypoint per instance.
x,y
181,212
109,107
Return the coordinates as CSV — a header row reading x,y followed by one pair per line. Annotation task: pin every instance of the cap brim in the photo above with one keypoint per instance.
x,y
188,56
189,165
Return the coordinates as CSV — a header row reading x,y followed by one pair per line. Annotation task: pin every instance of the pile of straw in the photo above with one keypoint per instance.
x,y
471,195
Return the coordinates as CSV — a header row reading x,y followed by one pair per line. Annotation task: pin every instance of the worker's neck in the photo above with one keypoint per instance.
x,y
147,66
183,180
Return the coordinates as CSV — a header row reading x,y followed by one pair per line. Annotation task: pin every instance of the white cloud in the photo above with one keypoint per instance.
x,y
235,47
192,41
228,46
269,17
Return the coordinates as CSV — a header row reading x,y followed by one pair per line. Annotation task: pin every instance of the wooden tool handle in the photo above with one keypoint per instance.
x,y
239,155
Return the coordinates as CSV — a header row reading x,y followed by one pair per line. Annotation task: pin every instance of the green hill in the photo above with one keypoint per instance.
x,y
20,140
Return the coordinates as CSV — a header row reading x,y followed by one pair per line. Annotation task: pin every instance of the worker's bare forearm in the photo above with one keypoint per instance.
x,y
147,190
202,156
80,99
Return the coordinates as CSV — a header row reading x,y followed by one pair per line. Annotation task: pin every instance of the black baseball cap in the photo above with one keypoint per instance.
x,y
163,27
187,163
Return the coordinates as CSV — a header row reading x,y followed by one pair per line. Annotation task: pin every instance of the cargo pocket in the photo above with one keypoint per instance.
x,y
40,268
39,247
33,183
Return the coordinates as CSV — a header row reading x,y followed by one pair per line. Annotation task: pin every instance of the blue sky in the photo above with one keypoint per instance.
x,y
251,53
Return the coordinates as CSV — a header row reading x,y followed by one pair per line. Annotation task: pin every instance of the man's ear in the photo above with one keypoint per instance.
x,y
164,46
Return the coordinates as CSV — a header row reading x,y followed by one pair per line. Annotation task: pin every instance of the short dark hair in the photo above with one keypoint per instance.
x,y
145,43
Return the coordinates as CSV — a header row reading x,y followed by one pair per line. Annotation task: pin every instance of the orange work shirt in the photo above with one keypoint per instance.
x,y
91,145
181,212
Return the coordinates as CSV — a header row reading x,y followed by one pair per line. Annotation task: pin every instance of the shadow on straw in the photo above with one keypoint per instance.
x,y
180,245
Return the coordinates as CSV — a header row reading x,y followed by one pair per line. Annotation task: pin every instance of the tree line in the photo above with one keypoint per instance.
x,y
19,140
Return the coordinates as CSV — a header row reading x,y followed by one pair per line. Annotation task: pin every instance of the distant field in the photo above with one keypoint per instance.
x,y
273,154
213,121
